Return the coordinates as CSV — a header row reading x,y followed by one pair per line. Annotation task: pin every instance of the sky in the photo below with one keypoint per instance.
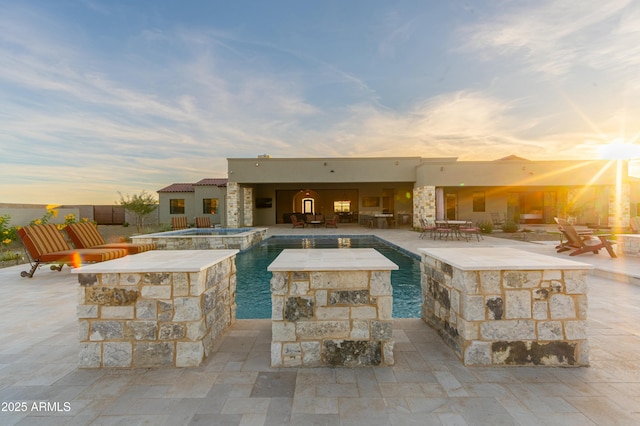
x,y
101,98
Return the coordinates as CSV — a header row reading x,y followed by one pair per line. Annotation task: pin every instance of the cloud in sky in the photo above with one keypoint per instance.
x,y
98,98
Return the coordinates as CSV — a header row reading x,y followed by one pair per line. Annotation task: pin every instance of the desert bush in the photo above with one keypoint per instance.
x,y
509,227
486,227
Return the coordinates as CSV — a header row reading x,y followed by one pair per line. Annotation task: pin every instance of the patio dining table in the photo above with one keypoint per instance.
x,y
454,225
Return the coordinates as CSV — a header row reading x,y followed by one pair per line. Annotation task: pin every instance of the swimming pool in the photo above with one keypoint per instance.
x,y
253,293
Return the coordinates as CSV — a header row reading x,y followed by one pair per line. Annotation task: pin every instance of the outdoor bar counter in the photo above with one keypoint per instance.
x,y
502,306
161,308
331,307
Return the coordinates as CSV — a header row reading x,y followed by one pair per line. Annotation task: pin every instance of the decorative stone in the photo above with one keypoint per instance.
x,y
518,304
117,354
189,354
521,279
141,330
110,296
187,309
87,280
172,331
550,330
106,330
351,353
353,297
156,291
117,312
153,278
562,306
298,308
153,354
90,355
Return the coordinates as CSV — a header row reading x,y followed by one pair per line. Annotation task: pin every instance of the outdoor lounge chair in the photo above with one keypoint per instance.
x,y
579,244
333,222
85,235
203,222
45,244
179,222
296,223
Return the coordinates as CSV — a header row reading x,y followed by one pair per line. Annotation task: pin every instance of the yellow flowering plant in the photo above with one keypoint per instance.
x,y
8,234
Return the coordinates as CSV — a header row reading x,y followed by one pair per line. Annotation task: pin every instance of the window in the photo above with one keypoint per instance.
x,y
210,206
478,202
176,206
342,206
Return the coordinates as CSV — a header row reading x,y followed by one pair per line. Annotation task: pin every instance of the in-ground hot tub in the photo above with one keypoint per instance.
x,y
204,238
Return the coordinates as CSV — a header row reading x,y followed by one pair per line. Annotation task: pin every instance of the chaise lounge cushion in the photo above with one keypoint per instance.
x,y
86,235
45,244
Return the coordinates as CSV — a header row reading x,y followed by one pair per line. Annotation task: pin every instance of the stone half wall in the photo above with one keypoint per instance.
x,y
336,318
508,317
129,320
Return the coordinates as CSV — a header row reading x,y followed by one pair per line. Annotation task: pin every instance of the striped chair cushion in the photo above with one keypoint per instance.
x,y
43,239
179,222
86,255
84,235
203,222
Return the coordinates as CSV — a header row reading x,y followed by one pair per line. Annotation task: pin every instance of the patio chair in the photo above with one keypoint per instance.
x,y
579,244
203,222
45,244
296,223
469,229
86,236
179,222
495,219
427,228
333,222
442,230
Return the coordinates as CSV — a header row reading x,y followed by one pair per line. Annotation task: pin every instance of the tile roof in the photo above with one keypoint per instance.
x,y
212,181
178,187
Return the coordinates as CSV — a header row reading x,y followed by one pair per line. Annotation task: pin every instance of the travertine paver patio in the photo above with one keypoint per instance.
x,y
236,386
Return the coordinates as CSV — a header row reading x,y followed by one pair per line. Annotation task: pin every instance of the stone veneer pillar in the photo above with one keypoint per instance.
x,y
497,306
424,204
331,307
233,204
248,206
138,318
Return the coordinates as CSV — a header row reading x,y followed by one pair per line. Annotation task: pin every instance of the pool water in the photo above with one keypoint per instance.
x,y
253,294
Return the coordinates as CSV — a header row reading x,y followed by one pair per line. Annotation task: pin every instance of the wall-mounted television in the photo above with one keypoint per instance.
x,y
264,203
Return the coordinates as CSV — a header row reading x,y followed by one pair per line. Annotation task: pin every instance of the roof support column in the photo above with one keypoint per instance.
x,y
248,206
233,204
424,204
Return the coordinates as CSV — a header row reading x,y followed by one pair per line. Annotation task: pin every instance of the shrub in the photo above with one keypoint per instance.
x,y
510,227
486,227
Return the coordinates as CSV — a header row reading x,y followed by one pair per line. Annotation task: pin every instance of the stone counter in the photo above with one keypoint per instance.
x,y
331,307
628,244
502,306
155,309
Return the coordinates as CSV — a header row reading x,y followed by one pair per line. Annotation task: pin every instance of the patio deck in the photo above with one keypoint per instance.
x,y
237,386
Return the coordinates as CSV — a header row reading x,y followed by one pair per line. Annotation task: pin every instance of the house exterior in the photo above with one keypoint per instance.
x,y
265,191
206,197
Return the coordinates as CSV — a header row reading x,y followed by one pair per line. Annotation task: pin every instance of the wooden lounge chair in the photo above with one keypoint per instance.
x,y
203,222
579,244
296,223
85,235
45,244
333,222
179,222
